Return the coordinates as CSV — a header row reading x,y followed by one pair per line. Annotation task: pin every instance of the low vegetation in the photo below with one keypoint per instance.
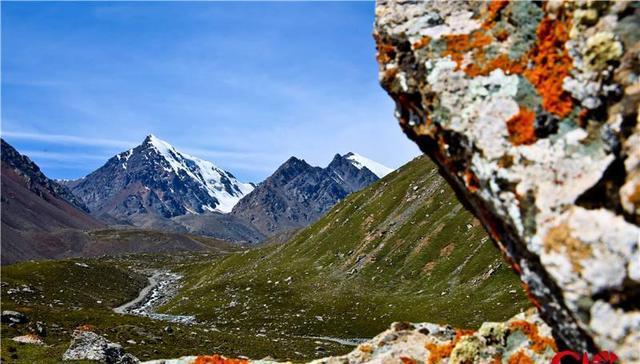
x,y
401,250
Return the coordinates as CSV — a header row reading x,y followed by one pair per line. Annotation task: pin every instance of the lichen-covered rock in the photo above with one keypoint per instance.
x,y
14,317
28,339
531,111
208,359
87,345
523,339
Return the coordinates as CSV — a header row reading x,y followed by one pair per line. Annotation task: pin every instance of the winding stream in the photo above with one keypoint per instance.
x,y
163,285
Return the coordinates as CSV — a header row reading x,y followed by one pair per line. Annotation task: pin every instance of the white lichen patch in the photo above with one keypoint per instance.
x,y
615,328
456,24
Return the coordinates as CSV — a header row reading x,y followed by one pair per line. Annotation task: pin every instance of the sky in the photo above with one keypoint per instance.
x,y
243,85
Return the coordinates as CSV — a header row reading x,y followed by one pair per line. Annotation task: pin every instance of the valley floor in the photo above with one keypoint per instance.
x,y
403,249
66,294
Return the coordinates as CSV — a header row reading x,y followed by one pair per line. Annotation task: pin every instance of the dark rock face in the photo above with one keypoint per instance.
x,y
34,204
155,179
297,194
531,111
34,179
13,317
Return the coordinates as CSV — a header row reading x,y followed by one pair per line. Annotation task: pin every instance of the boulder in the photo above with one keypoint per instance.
x,y
28,339
523,339
88,345
13,317
530,109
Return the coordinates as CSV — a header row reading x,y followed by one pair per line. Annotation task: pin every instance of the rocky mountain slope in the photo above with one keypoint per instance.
x,y
34,180
34,204
530,110
155,186
402,249
42,219
297,194
155,178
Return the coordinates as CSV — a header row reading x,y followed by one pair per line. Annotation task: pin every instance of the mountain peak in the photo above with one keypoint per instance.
x,y
159,144
161,179
360,162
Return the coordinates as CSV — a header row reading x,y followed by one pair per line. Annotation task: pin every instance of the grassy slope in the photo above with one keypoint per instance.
x,y
65,295
385,254
402,249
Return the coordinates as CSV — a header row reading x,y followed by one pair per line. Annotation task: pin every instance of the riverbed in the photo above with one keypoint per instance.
x,y
163,285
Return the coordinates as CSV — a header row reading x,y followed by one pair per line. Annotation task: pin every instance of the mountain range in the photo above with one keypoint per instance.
x,y
399,250
154,186
156,178
31,202
297,194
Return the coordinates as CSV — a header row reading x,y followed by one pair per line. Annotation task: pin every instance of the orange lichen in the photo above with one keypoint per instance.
x,y
471,181
460,333
493,9
218,359
538,343
458,45
634,197
551,65
502,61
366,348
422,42
406,360
530,296
86,327
502,35
385,52
550,61
439,352
582,117
520,358
497,359
522,127
390,74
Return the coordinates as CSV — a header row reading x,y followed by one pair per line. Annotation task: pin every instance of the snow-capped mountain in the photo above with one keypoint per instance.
x,y
155,178
297,194
361,162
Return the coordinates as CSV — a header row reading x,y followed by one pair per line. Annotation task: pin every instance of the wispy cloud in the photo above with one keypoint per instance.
x,y
62,157
68,139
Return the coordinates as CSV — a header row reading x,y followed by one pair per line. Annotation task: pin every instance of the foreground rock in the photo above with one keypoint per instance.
x,y
206,359
28,339
522,339
531,111
88,345
14,317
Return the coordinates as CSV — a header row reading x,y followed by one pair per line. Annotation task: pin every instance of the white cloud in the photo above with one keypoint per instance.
x,y
62,157
68,139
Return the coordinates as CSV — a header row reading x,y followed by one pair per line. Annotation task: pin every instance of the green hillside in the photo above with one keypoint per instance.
x,y
403,249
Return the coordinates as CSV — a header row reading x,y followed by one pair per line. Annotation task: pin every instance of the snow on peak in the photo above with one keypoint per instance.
x,y
360,161
219,183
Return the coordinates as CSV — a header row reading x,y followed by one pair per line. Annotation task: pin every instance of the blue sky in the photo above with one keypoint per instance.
x,y
244,85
